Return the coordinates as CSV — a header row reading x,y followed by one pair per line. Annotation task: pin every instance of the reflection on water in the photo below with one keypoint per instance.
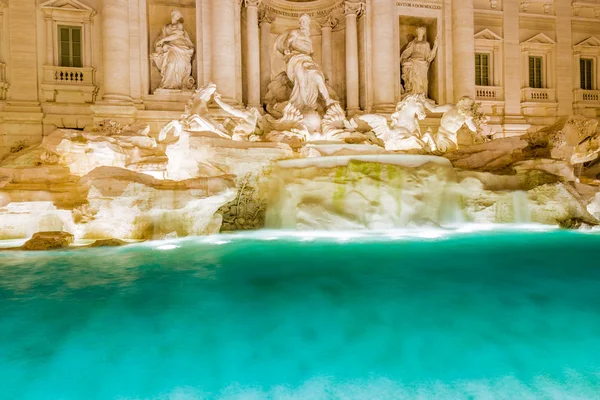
x,y
410,314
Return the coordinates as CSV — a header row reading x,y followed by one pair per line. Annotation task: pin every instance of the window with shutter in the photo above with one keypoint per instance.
x,y
482,69
535,72
586,73
70,46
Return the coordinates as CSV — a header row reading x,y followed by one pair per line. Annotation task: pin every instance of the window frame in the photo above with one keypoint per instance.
x,y
586,82
71,45
67,13
479,77
532,80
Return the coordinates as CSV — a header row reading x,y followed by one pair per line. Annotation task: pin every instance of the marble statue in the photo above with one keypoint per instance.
x,y
247,123
404,132
302,83
465,112
415,61
173,52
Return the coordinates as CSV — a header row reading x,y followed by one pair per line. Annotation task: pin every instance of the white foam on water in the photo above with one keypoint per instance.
x,y
573,387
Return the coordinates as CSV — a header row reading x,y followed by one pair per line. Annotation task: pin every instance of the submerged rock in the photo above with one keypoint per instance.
x,y
49,241
108,243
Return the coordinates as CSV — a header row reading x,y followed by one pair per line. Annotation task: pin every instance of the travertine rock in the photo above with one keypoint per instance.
x,y
108,243
49,241
358,192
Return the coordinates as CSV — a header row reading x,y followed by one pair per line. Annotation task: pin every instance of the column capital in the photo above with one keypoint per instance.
x,y
265,16
3,4
251,3
354,7
329,21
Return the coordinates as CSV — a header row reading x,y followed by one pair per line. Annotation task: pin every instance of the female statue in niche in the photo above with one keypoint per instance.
x,y
305,74
173,52
415,61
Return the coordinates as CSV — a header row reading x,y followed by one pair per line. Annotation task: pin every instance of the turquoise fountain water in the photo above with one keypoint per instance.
x,y
397,315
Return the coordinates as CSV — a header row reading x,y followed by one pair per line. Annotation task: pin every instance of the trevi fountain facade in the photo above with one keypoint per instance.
x,y
151,119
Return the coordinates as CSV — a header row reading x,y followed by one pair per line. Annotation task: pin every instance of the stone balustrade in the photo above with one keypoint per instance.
x,y
532,95
587,96
71,85
493,93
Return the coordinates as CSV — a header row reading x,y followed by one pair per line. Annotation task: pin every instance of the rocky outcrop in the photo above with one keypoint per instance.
x,y
359,192
48,241
116,184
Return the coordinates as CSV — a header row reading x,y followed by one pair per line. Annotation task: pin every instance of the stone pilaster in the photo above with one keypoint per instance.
x,y
514,123
352,9
21,118
564,62
266,19
252,53
327,24
463,49
384,17
224,48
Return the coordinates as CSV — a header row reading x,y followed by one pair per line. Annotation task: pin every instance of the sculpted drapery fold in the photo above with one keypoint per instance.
x,y
173,52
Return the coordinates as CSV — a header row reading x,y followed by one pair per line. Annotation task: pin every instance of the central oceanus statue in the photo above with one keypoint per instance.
x,y
301,107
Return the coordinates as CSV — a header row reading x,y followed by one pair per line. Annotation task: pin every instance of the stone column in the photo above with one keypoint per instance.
x,y
224,48
463,49
266,19
115,33
252,53
327,24
383,19
352,9
564,61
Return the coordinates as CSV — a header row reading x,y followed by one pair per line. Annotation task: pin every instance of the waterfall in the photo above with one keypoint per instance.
x,y
451,211
521,209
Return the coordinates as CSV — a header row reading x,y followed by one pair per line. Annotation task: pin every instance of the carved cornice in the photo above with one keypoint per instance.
x,y
328,22
316,9
354,8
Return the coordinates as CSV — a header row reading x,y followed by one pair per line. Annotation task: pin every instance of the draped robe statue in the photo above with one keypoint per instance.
x,y
173,55
305,74
415,61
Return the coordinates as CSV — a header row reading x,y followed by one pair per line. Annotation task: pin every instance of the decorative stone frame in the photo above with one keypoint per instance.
x,y
68,84
588,49
69,13
487,42
539,46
